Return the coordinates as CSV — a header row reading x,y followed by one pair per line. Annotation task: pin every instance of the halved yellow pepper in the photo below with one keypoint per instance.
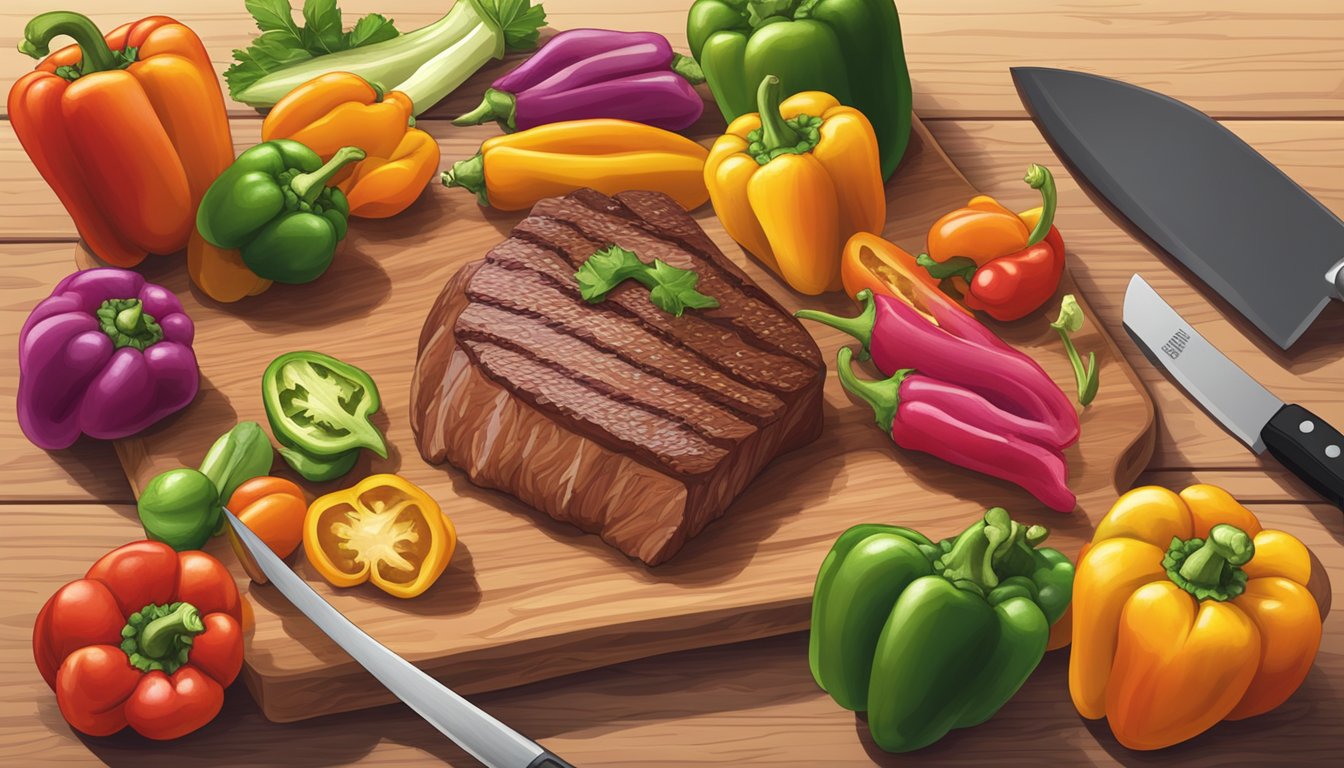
x,y
795,181
385,530
1186,612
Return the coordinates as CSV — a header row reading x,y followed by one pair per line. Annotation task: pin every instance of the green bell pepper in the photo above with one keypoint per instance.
x,y
926,638
273,205
850,49
181,508
319,409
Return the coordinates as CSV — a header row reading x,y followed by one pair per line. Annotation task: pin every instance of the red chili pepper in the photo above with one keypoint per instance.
x,y
961,427
960,351
987,251
148,638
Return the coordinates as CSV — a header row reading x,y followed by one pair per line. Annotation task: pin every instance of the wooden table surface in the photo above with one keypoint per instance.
x,y
1270,71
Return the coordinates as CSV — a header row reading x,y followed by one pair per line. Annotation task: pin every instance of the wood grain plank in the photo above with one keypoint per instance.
x,y
1231,59
88,471
750,704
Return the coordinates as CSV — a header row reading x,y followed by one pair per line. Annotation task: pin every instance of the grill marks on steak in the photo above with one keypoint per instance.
x,y
616,416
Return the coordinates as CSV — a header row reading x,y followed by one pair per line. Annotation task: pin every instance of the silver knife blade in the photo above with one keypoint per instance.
x,y
1197,190
1227,392
485,738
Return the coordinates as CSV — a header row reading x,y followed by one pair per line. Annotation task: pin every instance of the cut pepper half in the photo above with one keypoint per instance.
x,y
385,530
321,405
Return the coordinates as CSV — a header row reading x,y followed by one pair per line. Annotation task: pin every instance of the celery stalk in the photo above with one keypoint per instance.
x,y
427,63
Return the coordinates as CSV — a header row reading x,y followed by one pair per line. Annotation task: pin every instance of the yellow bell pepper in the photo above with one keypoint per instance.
x,y
385,530
340,109
1186,612
795,181
220,273
512,172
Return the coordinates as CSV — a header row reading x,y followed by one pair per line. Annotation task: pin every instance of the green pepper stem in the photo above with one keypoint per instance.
x,y
309,185
1085,377
1039,177
883,396
688,68
992,550
1227,546
957,266
158,636
131,320
468,174
860,326
497,105
41,29
776,133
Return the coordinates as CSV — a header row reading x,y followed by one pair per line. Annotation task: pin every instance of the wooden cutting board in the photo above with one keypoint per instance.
x,y
527,598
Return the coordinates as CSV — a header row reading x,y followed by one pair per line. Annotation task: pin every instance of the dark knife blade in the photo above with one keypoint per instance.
x,y
1197,190
1303,442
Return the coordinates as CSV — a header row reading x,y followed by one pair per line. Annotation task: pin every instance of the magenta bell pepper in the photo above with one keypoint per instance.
x,y
963,428
105,355
961,351
583,74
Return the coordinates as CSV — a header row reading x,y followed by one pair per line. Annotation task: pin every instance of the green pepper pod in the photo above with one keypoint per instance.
x,y
180,508
850,49
319,410
273,205
926,638
237,456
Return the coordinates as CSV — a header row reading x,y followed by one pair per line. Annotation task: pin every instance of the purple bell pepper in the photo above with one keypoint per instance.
x,y
585,74
106,355
961,427
960,351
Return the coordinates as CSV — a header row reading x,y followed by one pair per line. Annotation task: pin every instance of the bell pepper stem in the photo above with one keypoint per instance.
x,y
776,133
156,639
957,266
860,326
1039,177
41,29
883,396
468,174
127,324
160,637
1226,546
131,320
688,68
309,185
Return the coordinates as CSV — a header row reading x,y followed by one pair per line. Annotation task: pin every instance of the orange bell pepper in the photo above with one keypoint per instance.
x,y
1187,612
128,129
340,109
385,530
274,508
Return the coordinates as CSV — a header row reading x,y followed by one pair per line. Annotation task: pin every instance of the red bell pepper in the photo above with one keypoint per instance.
x,y
992,258
148,638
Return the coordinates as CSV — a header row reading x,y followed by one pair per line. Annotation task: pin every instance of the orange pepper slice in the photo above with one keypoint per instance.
x,y
385,530
885,268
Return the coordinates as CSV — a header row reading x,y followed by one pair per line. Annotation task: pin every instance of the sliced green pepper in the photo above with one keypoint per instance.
x,y
926,638
273,205
319,409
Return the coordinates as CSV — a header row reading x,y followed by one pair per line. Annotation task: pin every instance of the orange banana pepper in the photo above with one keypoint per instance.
x,y
872,263
340,109
1187,612
128,129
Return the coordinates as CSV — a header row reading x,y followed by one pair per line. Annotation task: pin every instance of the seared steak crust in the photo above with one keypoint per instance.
x,y
617,417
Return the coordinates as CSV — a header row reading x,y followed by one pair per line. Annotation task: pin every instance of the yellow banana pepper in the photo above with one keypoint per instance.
x,y
512,172
340,109
795,181
1186,612
385,530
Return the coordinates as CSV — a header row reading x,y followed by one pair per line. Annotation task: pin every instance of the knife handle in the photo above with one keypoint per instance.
x,y
1310,447
548,760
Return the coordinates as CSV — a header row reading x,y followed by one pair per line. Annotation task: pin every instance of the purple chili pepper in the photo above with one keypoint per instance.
x,y
962,428
106,355
899,337
591,73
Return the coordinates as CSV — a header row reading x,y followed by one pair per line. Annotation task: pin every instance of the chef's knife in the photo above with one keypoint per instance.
x,y
1202,194
485,738
1302,441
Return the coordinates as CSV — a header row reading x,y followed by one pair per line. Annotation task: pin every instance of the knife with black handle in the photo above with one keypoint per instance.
x,y
1302,441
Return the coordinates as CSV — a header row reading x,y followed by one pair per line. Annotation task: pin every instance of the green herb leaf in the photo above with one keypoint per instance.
x,y
374,28
675,289
322,33
272,15
670,289
518,19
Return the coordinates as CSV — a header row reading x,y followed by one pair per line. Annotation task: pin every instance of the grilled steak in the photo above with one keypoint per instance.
x,y
617,417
